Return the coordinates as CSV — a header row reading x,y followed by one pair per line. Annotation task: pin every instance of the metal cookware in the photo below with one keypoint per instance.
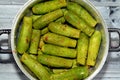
x,y
104,48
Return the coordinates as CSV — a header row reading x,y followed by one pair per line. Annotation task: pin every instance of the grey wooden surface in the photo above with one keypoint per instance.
x,y
10,71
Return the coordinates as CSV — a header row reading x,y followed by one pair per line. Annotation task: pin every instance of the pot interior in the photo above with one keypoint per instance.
x,y
101,26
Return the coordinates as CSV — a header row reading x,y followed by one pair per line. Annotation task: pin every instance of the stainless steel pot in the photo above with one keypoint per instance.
x,y
105,44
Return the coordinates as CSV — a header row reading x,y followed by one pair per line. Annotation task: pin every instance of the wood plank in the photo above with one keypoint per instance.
x,y
9,11
12,68
12,76
108,78
109,75
21,2
13,2
6,23
105,3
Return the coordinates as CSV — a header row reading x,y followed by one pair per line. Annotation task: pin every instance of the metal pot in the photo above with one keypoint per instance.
x,y
104,48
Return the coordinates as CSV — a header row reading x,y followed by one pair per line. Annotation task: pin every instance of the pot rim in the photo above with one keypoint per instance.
x,y
14,51
107,42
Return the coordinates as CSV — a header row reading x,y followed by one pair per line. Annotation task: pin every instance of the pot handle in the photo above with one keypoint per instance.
x,y
111,47
8,31
5,41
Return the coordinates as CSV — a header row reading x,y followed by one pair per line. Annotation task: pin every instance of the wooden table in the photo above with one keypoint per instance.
x,y
10,71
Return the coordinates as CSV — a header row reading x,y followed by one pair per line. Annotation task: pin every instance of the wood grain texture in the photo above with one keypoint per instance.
x,y
9,69
9,11
12,2
106,2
